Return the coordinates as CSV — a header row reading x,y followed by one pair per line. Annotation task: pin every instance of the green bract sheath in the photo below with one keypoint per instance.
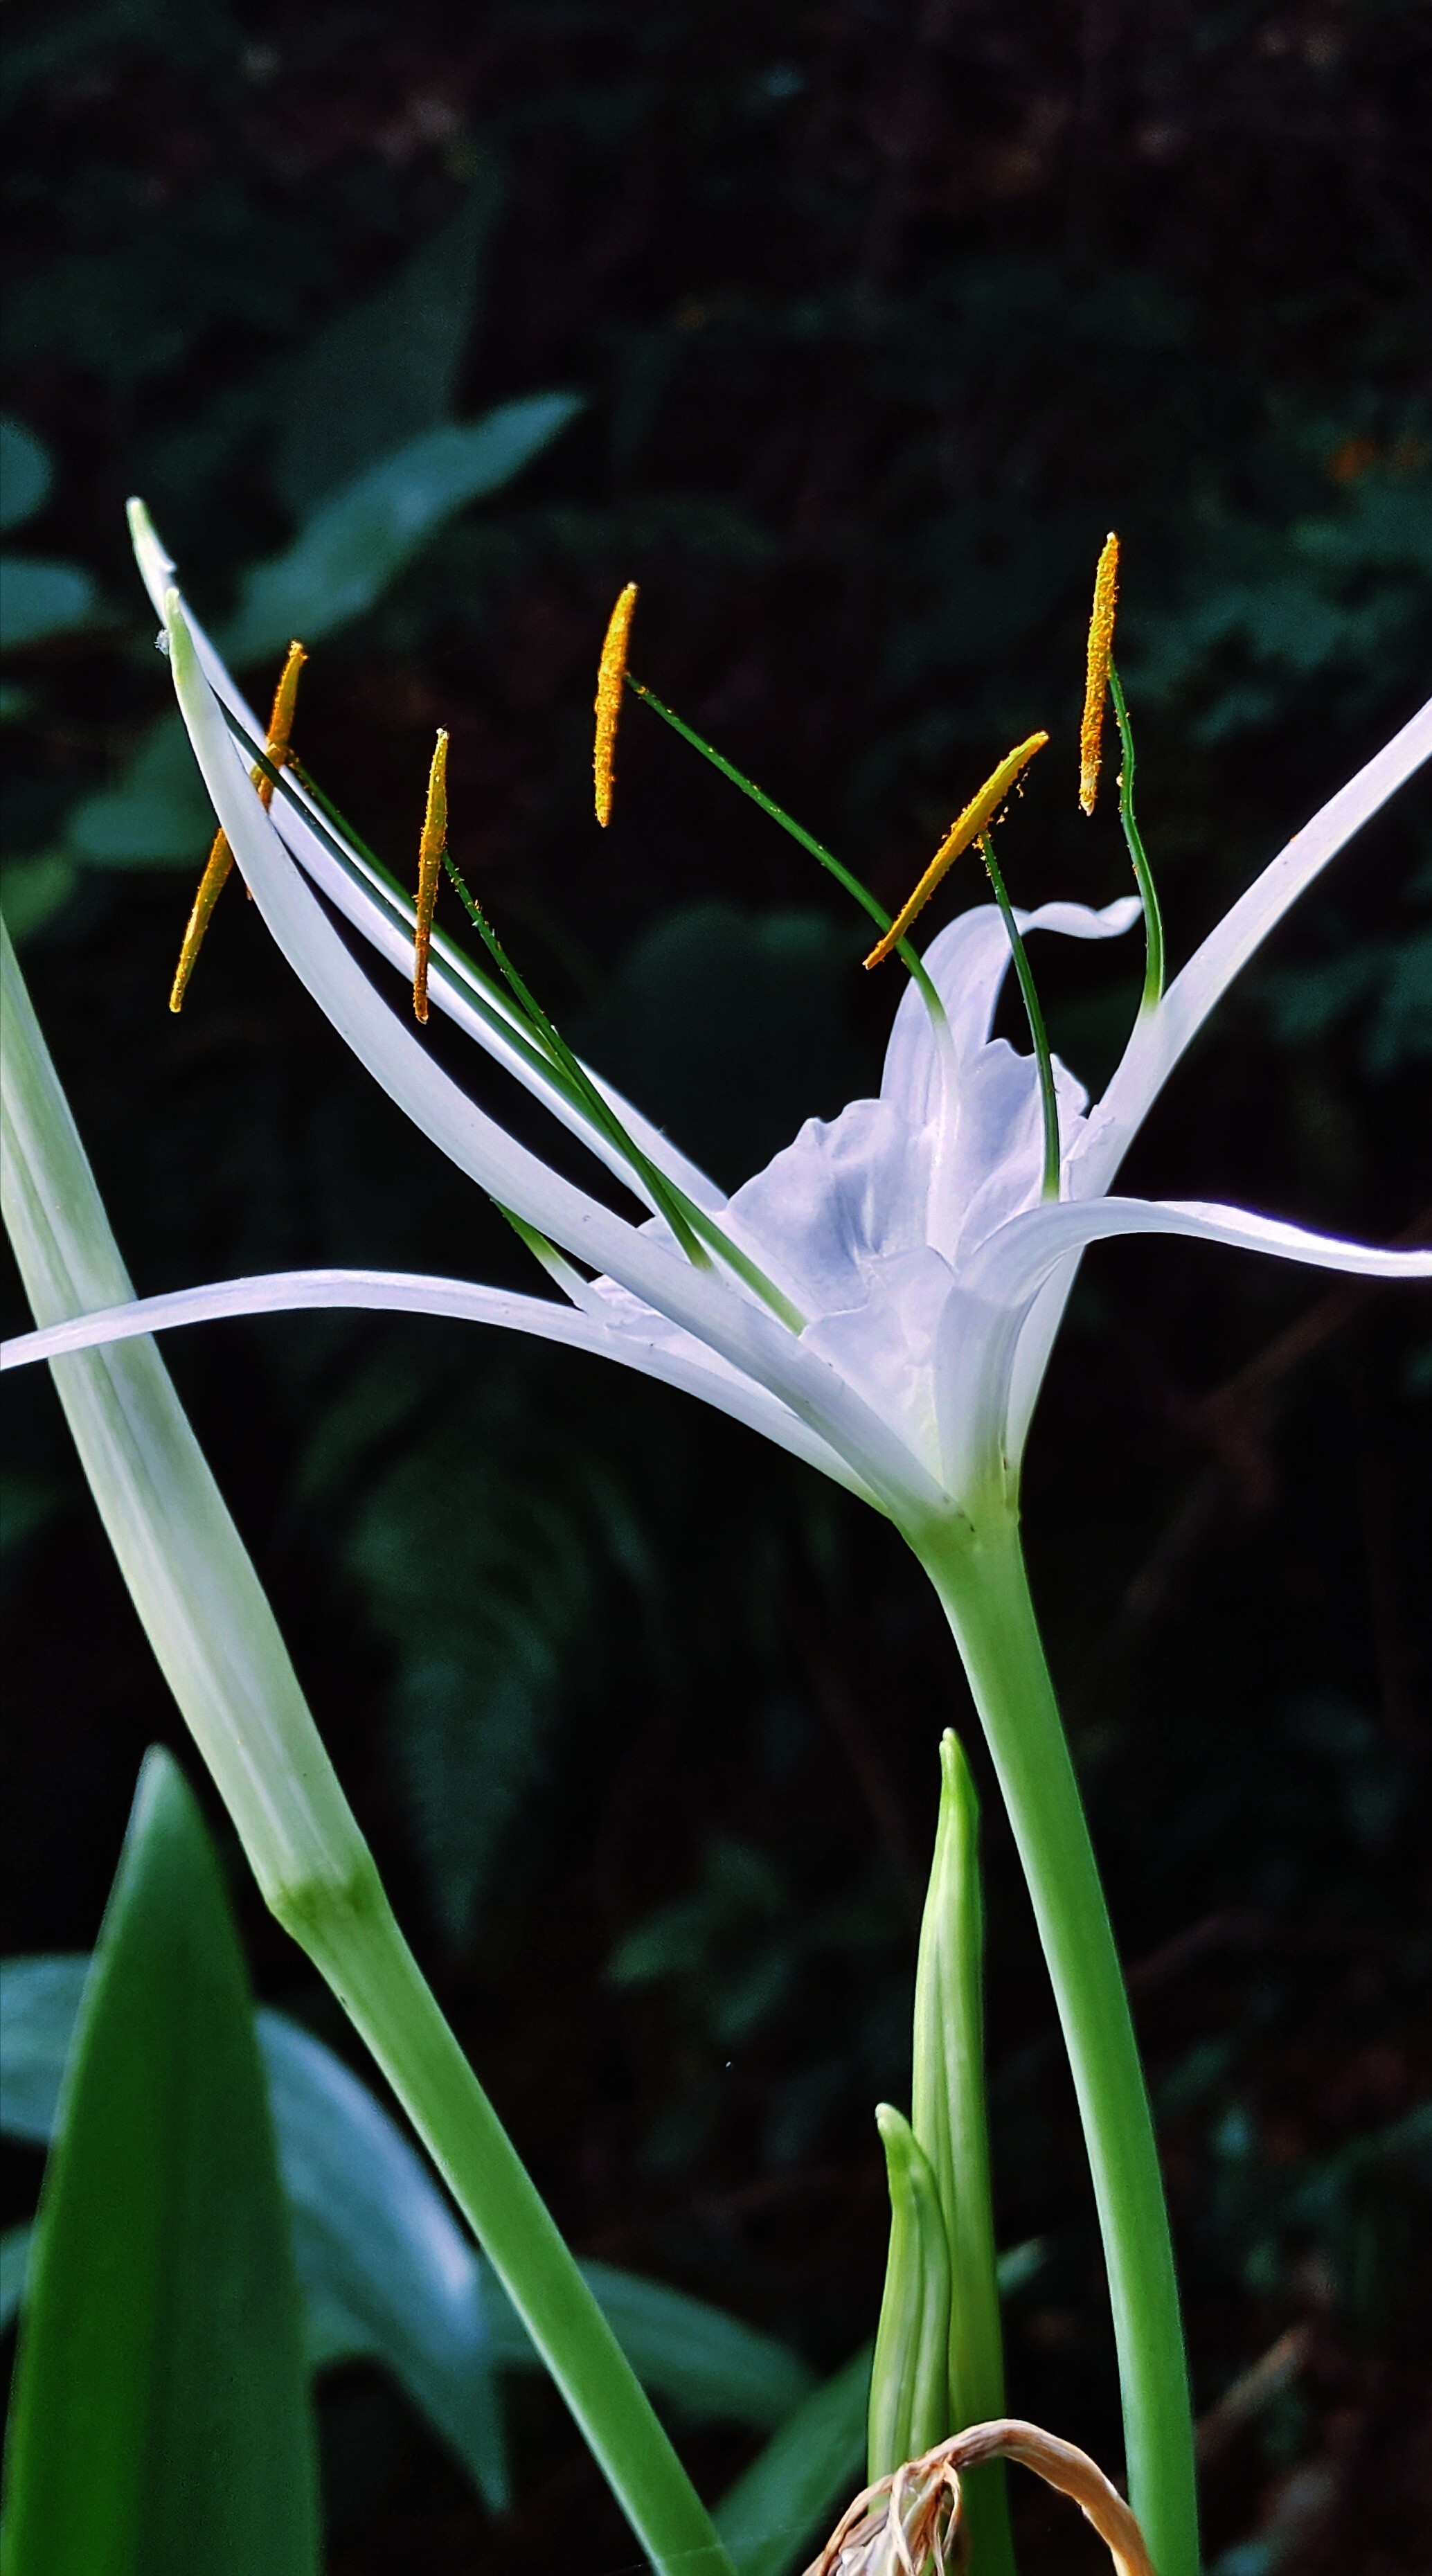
x,y
909,2386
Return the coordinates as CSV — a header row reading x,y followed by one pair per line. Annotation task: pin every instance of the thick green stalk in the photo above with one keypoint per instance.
x,y
215,1636
947,2106
981,1580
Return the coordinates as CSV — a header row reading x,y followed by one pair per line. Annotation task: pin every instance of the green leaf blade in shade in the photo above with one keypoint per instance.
x,y
25,473
39,598
793,2491
367,533
160,2422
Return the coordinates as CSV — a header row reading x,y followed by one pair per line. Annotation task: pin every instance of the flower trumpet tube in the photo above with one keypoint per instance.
x,y
881,1301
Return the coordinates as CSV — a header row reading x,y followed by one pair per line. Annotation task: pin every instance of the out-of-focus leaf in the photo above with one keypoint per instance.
x,y
27,1505
25,473
732,1027
701,2360
386,368
15,2247
39,2005
157,816
382,2260
358,542
39,598
32,891
383,2265
794,2490
160,2421
385,2268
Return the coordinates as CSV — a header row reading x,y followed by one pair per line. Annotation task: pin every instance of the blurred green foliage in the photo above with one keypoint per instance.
x,y
877,318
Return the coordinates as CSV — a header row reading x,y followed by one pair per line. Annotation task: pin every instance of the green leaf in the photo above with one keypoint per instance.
x,y
33,890
387,368
705,2363
386,2271
160,2421
15,2247
358,542
39,598
25,473
792,2494
157,815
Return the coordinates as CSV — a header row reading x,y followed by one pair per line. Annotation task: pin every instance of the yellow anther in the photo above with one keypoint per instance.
x,y
221,857
430,859
967,827
611,673
1096,684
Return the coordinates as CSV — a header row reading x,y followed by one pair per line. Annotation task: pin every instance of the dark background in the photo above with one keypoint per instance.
x,y
882,315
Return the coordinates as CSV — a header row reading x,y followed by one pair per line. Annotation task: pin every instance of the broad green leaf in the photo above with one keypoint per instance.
x,y
385,2268
359,541
387,368
702,2361
156,816
792,2494
40,598
160,2421
25,473
386,2271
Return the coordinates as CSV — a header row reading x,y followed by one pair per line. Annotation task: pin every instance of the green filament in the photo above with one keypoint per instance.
x,y
694,1229
1143,873
909,957
1048,1101
546,1052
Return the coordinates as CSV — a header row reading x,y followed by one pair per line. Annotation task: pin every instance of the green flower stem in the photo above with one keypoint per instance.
x,y
980,1577
211,1627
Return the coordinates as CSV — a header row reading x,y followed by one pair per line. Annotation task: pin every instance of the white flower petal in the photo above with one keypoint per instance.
x,y
967,964
836,1202
411,1293
727,1322
476,1003
1161,1035
1013,1263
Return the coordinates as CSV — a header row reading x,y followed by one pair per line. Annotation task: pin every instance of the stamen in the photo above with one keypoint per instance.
x,y
1143,873
837,868
221,857
967,827
430,858
1044,1061
1096,683
611,671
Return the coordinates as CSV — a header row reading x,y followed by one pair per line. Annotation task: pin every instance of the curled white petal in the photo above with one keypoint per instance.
x,y
1014,1263
464,1300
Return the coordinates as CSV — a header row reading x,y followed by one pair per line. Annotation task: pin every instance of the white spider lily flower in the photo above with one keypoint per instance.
x,y
920,1271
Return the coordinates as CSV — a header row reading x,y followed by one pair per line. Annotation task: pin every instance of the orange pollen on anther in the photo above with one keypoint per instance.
x,y
430,859
611,674
966,828
221,857
1096,682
